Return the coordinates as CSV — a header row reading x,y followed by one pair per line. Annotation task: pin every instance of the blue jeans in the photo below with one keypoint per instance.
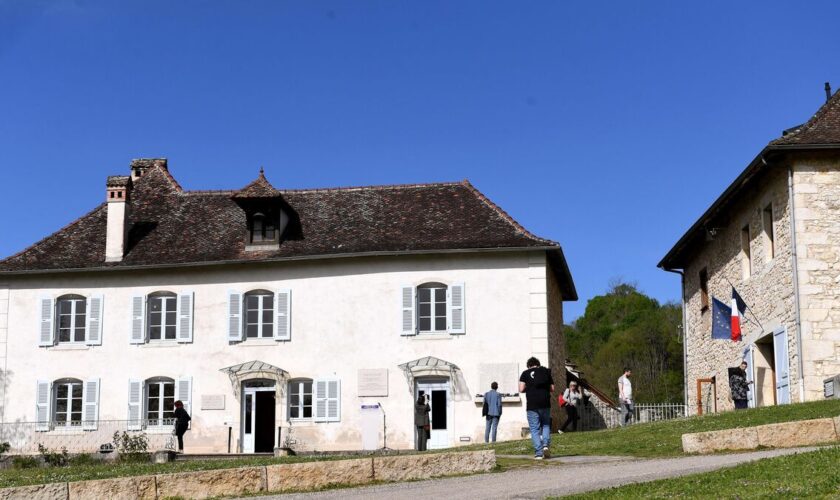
x,y
627,411
540,423
490,428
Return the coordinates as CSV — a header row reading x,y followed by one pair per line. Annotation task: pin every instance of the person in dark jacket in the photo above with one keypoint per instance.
x,y
738,386
421,421
182,423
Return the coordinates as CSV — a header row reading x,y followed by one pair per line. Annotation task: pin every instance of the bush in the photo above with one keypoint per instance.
x,y
24,462
4,447
54,458
83,459
132,448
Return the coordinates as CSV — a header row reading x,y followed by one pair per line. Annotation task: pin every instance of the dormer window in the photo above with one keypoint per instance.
x,y
263,229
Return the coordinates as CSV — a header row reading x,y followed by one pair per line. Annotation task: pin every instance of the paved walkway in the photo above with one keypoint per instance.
x,y
571,475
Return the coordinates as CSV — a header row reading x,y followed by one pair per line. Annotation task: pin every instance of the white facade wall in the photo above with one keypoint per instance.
x,y
346,316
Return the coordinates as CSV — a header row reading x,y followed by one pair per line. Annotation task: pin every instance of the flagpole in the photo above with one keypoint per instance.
x,y
755,316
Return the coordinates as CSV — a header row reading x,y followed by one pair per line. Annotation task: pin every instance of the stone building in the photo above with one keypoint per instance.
x,y
314,311
774,234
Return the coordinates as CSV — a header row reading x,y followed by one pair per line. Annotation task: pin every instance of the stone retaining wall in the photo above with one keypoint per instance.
x,y
781,435
266,479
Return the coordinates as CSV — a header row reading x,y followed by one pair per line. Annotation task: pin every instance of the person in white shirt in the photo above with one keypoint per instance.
x,y
625,397
574,401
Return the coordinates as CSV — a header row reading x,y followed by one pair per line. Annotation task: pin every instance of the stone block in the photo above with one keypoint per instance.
x,y
123,488
801,433
51,491
212,483
315,475
424,466
727,439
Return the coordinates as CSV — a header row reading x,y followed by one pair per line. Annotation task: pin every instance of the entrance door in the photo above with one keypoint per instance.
x,y
258,417
780,354
749,357
440,416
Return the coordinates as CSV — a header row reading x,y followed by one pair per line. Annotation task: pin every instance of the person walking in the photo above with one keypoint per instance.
x,y
182,424
573,397
421,421
492,412
738,385
625,397
537,384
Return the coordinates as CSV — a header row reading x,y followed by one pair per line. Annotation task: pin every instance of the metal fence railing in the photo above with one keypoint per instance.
x,y
83,437
599,415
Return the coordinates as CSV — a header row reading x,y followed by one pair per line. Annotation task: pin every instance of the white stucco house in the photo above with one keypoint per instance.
x,y
322,313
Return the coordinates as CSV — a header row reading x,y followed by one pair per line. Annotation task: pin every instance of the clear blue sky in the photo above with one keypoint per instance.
x,y
606,127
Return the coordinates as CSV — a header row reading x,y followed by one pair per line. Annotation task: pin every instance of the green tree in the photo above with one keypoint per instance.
x,y
627,328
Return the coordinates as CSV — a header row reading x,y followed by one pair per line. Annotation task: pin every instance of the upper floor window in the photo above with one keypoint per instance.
x,y
71,311
300,399
263,228
767,229
746,257
163,313
160,401
70,319
704,289
162,316
431,308
67,403
259,314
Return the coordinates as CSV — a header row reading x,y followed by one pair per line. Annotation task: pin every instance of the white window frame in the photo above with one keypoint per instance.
x,y
301,382
435,286
161,420
168,296
262,294
68,421
74,300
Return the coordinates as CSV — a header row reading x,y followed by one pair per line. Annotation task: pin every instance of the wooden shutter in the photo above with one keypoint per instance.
x,y
46,329
43,397
135,405
455,308
283,325
138,319
186,306
90,410
183,392
327,400
93,327
407,300
234,317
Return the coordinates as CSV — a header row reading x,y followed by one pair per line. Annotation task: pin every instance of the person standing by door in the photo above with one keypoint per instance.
x,y
625,397
738,386
182,424
421,421
493,411
537,384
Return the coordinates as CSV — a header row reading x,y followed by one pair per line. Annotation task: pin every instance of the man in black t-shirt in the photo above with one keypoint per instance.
x,y
537,384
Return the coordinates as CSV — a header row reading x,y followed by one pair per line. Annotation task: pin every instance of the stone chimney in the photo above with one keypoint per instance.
x,y
118,189
139,166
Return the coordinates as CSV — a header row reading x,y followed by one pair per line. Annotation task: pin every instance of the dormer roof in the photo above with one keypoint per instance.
x,y
259,189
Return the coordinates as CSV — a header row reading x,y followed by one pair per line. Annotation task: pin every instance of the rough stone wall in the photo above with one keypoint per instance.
x,y
817,214
556,341
768,291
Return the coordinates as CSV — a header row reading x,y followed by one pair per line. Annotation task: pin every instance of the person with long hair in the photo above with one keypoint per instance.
x,y
182,423
421,421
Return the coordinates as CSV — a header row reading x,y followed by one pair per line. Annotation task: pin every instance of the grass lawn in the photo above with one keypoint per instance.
x,y
663,439
805,475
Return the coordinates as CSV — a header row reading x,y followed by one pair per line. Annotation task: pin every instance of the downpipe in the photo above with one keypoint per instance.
x,y
796,303
684,334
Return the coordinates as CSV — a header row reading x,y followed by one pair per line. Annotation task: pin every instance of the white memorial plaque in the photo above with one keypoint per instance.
x,y
212,401
373,382
505,374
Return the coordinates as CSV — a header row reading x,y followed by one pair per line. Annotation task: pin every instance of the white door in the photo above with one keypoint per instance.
x,y
440,402
249,417
749,357
780,354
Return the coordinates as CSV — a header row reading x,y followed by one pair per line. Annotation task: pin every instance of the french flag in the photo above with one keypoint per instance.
x,y
738,308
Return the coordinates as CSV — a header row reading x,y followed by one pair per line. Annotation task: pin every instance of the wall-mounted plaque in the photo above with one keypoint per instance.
x,y
212,401
373,382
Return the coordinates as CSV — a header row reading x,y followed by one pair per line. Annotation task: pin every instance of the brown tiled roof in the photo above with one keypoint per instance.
x,y
822,128
169,226
260,188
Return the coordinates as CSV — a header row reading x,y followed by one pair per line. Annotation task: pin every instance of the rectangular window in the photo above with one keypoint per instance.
x,y
259,315
746,258
68,404
71,319
431,309
704,289
300,399
769,237
160,402
162,317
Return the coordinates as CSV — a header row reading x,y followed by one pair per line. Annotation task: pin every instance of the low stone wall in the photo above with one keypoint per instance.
x,y
781,435
268,479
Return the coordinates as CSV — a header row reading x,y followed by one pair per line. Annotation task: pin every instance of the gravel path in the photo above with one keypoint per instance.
x,y
570,475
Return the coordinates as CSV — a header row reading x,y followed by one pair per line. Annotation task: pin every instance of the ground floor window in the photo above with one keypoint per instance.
x,y
160,401
68,403
300,399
